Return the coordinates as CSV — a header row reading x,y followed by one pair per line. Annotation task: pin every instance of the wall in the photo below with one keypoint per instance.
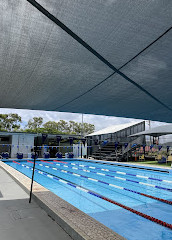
x,y
77,150
22,140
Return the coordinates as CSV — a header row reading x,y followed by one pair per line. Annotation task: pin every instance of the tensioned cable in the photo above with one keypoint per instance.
x,y
104,80
93,51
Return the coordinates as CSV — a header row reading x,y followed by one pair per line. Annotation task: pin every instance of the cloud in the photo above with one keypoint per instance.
x,y
99,121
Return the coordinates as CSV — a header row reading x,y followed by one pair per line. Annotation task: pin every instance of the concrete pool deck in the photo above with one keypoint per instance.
x,y
20,220
30,222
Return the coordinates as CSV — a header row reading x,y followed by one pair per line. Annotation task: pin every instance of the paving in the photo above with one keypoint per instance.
x,y
20,220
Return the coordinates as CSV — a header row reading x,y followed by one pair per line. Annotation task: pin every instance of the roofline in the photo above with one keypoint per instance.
x,y
89,135
39,134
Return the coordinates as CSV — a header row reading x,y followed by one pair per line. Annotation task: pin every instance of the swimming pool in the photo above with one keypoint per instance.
x,y
121,198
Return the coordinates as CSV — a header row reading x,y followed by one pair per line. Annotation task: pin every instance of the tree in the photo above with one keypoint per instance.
x,y
10,122
51,127
34,124
63,126
72,126
88,128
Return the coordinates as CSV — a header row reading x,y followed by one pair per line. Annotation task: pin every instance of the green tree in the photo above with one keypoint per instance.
x,y
72,126
34,125
63,126
10,122
88,128
84,129
51,127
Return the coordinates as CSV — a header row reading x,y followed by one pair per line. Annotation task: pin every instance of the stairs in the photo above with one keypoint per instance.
x,y
108,151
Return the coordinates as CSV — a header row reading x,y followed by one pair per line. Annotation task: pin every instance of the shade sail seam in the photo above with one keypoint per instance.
x,y
93,51
104,80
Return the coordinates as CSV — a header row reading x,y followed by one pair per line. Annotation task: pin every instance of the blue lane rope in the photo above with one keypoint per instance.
x,y
120,173
109,184
160,222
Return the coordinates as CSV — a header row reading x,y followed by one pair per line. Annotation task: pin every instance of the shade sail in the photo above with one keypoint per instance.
x,y
42,67
156,132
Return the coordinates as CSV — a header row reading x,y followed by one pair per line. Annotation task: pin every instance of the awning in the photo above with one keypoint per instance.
x,y
156,132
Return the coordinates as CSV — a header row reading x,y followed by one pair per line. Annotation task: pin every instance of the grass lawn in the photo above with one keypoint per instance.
x,y
155,163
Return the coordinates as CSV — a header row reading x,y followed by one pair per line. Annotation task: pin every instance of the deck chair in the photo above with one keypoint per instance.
x,y
169,159
158,157
141,157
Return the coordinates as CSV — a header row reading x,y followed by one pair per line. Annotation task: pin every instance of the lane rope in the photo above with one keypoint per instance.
x,y
124,173
109,184
160,222
31,162
119,178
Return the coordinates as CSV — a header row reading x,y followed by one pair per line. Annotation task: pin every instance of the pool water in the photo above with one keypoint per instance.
x,y
78,178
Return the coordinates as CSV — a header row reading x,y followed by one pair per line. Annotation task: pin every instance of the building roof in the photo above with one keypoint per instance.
x,y
156,132
99,57
39,134
113,129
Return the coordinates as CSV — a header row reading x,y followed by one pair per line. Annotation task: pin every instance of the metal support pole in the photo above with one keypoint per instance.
x,y
81,149
33,170
100,152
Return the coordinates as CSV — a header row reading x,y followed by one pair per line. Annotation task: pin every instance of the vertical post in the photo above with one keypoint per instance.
x,y
82,132
149,123
100,152
81,149
36,144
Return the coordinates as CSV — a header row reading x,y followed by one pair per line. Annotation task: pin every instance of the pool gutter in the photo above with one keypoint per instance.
x,y
76,223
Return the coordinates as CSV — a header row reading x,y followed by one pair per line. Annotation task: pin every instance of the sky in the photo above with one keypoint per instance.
x,y
99,121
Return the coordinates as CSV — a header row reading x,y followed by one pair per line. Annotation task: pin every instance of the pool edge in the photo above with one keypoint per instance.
x,y
76,223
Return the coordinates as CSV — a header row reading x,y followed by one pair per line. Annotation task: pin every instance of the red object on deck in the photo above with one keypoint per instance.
x,y
135,157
